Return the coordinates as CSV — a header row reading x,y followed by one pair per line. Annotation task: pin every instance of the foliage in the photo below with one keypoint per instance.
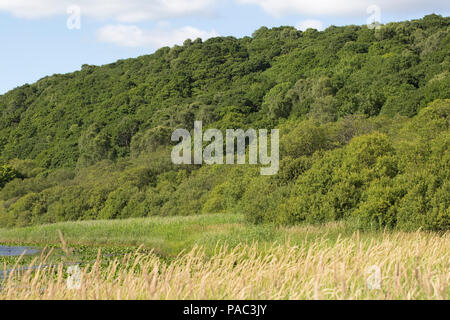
x,y
7,174
364,118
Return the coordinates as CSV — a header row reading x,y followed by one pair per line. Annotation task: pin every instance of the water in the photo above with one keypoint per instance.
x,y
6,251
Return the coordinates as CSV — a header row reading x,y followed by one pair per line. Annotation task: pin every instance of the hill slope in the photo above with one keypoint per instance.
x,y
357,139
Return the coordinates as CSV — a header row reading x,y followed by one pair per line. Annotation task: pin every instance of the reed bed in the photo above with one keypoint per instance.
x,y
412,266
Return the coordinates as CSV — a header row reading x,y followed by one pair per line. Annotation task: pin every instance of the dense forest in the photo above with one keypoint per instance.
x,y
363,114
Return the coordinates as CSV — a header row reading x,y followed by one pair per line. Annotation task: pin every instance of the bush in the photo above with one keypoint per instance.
x,y
261,199
117,201
303,140
276,104
225,196
7,174
379,207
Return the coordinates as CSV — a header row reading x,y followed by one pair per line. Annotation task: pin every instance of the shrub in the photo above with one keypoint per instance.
x,y
7,174
303,140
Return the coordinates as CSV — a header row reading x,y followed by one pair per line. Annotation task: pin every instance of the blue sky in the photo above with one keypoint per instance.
x,y
36,40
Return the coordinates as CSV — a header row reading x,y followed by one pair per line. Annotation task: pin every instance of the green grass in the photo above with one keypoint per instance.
x,y
168,236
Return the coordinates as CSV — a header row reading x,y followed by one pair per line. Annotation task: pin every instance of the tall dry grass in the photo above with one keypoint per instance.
x,y
413,266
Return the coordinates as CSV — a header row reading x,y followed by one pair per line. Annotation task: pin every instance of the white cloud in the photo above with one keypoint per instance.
x,y
306,24
279,8
120,10
133,36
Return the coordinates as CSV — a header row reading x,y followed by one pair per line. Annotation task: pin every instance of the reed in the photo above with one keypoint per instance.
x,y
412,266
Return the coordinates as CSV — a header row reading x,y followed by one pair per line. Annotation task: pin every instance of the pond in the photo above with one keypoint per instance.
x,y
7,251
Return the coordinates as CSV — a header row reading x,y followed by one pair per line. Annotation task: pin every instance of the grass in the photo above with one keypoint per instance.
x,y
411,266
168,236
222,257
